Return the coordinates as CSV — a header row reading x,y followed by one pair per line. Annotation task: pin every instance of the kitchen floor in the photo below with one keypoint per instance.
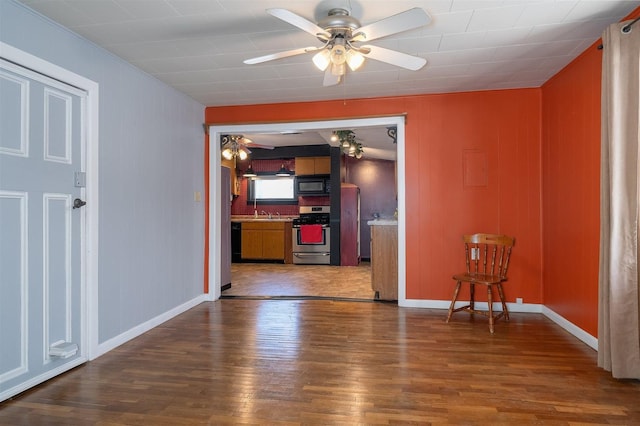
x,y
288,280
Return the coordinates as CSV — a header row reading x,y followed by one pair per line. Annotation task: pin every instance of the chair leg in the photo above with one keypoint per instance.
x,y
490,302
504,305
453,301
472,298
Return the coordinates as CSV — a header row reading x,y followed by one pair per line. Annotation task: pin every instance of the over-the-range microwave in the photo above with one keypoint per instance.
x,y
313,185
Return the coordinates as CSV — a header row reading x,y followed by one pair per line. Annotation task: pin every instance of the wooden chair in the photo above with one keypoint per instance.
x,y
487,259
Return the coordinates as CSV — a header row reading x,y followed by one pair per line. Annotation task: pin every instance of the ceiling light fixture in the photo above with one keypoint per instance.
x,y
336,54
233,148
347,143
343,36
283,171
249,172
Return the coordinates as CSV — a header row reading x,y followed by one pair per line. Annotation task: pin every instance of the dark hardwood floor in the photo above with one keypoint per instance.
x,y
291,362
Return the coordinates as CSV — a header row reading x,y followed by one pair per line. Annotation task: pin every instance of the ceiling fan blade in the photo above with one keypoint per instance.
x,y
403,21
257,145
246,142
330,79
394,57
280,55
298,21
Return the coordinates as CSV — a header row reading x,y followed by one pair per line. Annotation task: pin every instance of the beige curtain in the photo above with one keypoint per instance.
x,y
619,294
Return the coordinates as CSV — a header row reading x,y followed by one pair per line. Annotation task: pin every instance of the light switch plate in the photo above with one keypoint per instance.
x,y
79,179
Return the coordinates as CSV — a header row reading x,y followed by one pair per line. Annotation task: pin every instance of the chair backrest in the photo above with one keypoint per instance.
x,y
488,253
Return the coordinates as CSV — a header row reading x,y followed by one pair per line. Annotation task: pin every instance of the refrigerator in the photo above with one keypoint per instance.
x,y
225,228
349,225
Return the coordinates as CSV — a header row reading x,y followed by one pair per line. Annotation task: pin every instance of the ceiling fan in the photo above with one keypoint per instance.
x,y
236,146
343,36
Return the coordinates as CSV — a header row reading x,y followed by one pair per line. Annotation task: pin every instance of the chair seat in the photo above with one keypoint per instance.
x,y
478,278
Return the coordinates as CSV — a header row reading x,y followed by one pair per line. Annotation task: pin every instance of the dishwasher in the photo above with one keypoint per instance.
x,y
236,242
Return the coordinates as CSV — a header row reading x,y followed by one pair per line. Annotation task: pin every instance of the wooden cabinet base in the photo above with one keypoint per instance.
x,y
384,261
266,241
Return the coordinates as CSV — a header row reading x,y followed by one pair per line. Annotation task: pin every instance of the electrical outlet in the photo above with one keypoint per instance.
x,y
519,300
475,253
197,197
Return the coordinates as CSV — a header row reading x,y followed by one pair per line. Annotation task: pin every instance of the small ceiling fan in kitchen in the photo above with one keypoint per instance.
x,y
237,146
344,41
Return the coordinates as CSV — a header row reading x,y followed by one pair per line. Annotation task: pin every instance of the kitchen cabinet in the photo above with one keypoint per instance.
x,y
263,240
313,166
384,259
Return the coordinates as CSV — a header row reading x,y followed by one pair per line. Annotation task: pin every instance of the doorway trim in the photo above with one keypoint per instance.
x,y
215,181
89,244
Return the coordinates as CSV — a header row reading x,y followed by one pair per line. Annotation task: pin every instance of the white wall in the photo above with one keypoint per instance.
x,y
151,231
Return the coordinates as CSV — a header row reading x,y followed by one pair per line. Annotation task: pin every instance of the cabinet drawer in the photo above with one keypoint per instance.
x,y
263,225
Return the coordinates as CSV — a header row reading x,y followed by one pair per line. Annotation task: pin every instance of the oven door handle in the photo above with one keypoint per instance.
x,y
310,254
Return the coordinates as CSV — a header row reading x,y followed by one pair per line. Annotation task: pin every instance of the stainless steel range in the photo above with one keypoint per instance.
x,y
312,236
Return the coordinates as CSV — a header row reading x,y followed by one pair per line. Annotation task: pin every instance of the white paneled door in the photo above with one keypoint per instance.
x,y
41,279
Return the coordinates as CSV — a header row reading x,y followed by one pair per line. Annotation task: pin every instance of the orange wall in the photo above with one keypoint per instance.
x,y
571,185
501,128
571,188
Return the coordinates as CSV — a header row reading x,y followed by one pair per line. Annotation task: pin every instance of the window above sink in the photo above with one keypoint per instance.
x,y
271,189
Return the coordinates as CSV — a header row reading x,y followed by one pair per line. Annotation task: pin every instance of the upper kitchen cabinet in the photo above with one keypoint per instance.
x,y
313,166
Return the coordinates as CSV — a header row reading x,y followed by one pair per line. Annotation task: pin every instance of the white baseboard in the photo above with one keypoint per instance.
x,y
114,342
576,331
571,328
444,304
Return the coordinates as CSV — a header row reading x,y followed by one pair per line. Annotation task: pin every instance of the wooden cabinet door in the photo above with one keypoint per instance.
x,y
384,261
313,166
305,166
251,244
273,244
323,165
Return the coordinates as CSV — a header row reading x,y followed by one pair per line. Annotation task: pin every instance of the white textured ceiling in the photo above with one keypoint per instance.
x,y
198,46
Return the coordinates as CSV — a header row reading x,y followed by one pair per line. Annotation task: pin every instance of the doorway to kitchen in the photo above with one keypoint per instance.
x,y
273,277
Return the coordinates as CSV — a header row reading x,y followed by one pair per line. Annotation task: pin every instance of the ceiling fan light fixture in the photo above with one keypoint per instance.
x,y
338,69
354,59
227,154
231,147
322,59
242,154
339,30
338,51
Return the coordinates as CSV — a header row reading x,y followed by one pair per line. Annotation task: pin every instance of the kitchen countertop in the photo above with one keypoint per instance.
x,y
262,218
383,222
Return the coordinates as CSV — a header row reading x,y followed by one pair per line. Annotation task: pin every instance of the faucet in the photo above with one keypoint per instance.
x,y
265,213
278,213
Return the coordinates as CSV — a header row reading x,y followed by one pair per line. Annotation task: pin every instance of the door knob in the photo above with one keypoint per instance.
x,y
77,203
